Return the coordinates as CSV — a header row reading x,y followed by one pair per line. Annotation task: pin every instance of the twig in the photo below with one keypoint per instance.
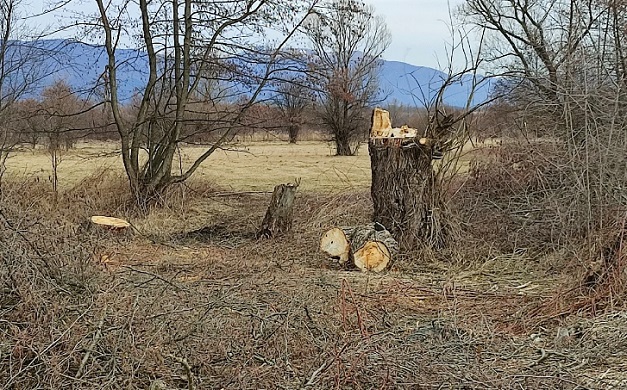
x,y
545,353
542,358
312,378
188,370
93,344
559,378
12,379
154,276
324,367
360,321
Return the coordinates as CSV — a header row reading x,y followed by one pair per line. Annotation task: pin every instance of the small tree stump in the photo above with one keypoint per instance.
x,y
278,219
110,222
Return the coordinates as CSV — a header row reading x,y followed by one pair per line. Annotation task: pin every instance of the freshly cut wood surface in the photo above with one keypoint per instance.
x,y
382,127
334,243
111,222
381,124
369,247
373,247
373,256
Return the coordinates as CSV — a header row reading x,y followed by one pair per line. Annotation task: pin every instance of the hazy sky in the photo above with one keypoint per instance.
x,y
420,28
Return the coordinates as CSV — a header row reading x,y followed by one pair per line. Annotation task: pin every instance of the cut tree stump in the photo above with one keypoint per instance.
x,y
278,219
369,247
403,184
110,222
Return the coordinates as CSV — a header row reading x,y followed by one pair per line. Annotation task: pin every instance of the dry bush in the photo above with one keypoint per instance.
x,y
522,197
49,292
528,199
597,281
104,192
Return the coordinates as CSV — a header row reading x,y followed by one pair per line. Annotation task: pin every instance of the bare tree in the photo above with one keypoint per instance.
x,y
60,117
21,69
192,48
566,64
292,98
348,40
536,42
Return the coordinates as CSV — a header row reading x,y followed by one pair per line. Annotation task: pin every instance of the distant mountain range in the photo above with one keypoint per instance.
x,y
417,86
82,66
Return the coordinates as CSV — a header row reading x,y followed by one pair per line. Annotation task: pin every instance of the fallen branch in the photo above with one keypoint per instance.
x,y
93,345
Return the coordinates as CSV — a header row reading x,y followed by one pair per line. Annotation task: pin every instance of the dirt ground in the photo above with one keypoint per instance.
x,y
194,300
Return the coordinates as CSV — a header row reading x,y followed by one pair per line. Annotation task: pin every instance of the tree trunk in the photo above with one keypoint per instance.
x,y
293,131
403,192
278,219
343,144
343,148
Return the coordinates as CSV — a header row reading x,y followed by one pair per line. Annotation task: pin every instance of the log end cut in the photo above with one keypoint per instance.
x,y
373,256
110,222
334,244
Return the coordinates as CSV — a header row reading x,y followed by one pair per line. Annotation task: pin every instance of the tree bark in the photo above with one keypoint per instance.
x,y
293,131
278,219
404,193
343,145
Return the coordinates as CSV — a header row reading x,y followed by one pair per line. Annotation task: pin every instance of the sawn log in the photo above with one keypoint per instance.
x,y
369,247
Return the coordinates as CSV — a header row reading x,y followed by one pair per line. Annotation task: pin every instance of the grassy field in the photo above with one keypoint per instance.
x,y
194,300
258,166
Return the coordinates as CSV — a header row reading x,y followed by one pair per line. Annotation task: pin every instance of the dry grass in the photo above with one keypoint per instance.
x,y
258,166
252,166
195,301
